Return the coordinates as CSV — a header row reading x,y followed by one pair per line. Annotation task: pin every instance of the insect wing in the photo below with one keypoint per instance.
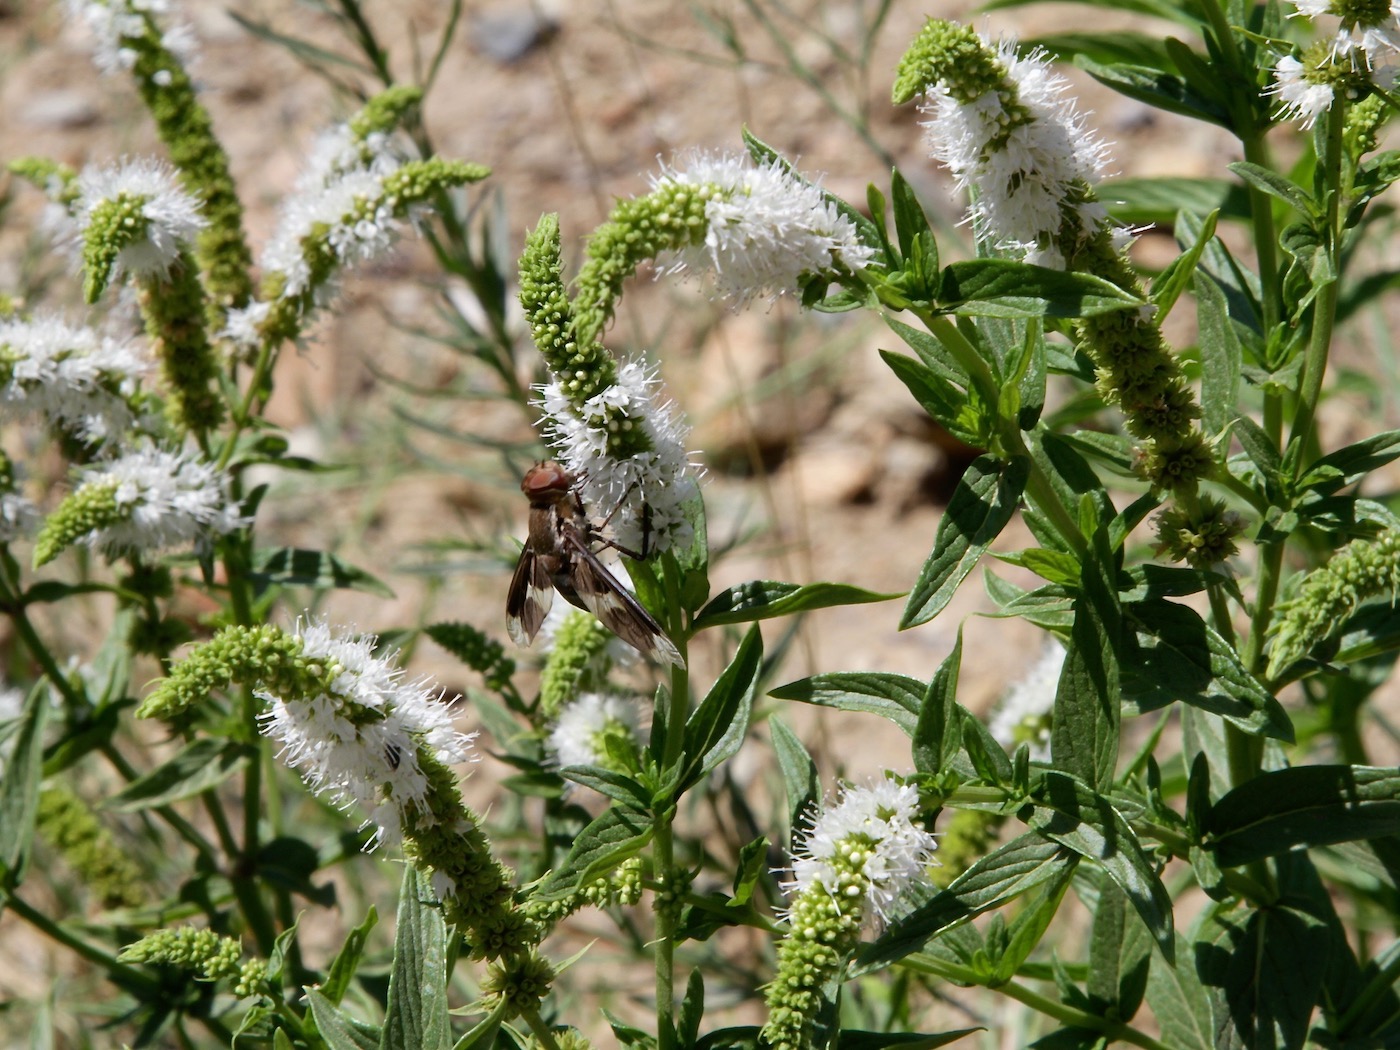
x,y
529,598
611,603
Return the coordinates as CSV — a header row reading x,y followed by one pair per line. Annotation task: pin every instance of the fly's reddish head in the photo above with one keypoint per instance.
x,y
546,483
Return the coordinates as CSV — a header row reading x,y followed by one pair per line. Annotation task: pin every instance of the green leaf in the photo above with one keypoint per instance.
x,y
936,737
932,353
1068,812
1173,654
1085,725
1028,926
339,1030
719,724
341,972
916,243
1050,607
1221,356
617,834
1002,875
857,1040
309,568
1137,49
1276,186
1120,953
1135,200
202,765
1158,89
800,780
984,501
416,1012
1172,281
1179,1002
19,788
1346,465
1002,288
610,783
1305,806
962,417
1267,964
1260,449
894,696
1171,12
765,599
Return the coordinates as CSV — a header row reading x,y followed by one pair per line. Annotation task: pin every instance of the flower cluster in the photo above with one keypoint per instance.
x,y
1364,49
582,732
1005,127
850,869
359,740
147,500
200,952
79,382
135,219
120,26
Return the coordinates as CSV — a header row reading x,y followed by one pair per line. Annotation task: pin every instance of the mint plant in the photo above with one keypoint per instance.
x,y
1192,754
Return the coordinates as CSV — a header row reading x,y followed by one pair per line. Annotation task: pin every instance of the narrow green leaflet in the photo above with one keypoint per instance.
x,y
204,764
308,568
1221,355
1033,917
1179,1002
1338,469
1067,812
765,599
800,779
1304,806
983,503
1171,654
416,1012
1137,200
1120,952
19,787
1158,89
857,1040
718,725
1168,286
1000,876
936,737
342,970
1088,705
1276,186
1002,288
944,402
894,696
1050,607
337,1028
618,833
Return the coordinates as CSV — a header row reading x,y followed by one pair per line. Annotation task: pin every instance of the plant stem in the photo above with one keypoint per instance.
x,y
131,978
542,1031
666,901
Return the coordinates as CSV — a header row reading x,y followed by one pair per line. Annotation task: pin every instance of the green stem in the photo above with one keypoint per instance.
x,y
1067,1016
542,1031
665,903
1220,612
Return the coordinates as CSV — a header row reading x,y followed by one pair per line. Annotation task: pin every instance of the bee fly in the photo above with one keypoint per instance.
x,y
558,556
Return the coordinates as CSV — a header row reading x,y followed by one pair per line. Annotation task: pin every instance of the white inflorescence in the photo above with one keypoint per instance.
x,y
172,216
647,491
764,228
1023,716
871,830
170,500
116,24
359,742
577,733
1301,99
69,375
1021,178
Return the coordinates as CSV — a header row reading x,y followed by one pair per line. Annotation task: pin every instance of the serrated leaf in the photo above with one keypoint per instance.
x,y
935,735
1156,88
202,765
983,503
1068,812
1179,1002
1002,288
310,568
1313,805
339,1030
415,1014
19,787
1221,356
1276,186
617,834
719,724
1173,654
765,599
894,696
991,881
801,783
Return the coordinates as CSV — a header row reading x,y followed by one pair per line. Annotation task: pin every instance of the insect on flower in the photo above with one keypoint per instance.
x,y
558,556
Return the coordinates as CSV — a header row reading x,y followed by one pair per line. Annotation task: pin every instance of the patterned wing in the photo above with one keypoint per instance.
x,y
620,612
529,598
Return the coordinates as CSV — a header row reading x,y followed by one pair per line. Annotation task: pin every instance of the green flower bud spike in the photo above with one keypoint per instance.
x,y
578,663
66,822
202,953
